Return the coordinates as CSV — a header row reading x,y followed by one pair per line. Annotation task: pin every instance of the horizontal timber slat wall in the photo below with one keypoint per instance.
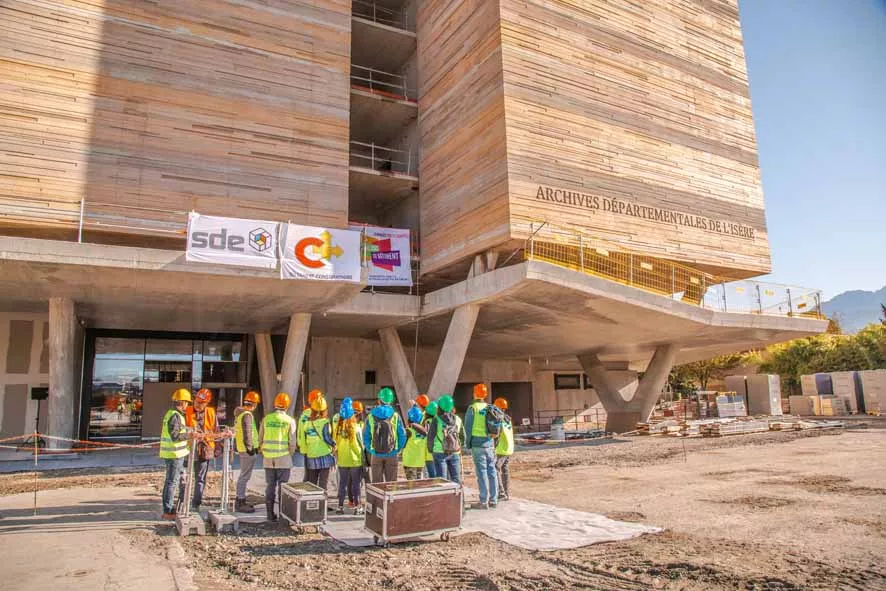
x,y
236,108
464,192
630,121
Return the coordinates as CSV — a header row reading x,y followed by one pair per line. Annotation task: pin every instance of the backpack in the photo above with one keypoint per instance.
x,y
494,419
450,436
383,438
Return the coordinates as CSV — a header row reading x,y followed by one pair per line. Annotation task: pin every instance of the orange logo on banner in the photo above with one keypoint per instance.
x,y
321,248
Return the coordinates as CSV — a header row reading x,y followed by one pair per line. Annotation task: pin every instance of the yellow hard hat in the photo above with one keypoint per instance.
x,y
182,395
319,404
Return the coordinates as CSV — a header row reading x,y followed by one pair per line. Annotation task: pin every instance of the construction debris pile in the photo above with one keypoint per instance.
x,y
730,426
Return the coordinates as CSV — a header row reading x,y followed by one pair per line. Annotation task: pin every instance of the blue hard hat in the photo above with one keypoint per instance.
x,y
415,414
346,411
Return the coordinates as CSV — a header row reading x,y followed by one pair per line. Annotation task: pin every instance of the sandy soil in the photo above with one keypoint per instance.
x,y
771,511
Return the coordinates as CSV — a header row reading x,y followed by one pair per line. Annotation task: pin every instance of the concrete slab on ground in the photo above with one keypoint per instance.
x,y
77,542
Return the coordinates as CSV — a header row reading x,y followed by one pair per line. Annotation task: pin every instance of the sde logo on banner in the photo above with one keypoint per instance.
x,y
259,240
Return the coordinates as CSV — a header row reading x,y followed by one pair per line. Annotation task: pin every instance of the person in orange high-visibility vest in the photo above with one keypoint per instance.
x,y
201,418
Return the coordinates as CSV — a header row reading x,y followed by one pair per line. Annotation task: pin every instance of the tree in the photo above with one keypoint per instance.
x,y
834,326
883,313
701,372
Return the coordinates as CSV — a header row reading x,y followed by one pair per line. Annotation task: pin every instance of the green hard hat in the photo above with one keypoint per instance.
x,y
386,395
445,403
431,409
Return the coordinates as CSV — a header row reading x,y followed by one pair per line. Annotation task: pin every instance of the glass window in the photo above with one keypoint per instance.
x,y
117,388
567,381
169,350
221,350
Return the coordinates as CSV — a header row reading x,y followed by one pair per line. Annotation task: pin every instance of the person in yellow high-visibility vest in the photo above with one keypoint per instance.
x,y
246,442
278,442
174,450
482,449
416,449
319,444
348,438
504,449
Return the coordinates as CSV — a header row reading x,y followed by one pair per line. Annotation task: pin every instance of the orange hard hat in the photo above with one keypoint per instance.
x,y
358,406
282,401
480,391
423,400
501,403
204,395
252,397
314,395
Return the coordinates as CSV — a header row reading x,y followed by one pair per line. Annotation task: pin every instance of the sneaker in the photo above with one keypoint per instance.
x,y
359,511
241,506
340,510
169,516
493,505
479,506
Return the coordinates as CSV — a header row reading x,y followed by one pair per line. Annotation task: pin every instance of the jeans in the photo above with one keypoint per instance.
x,y
487,477
384,469
274,478
502,465
319,476
431,469
201,469
247,463
413,473
174,469
450,462
349,484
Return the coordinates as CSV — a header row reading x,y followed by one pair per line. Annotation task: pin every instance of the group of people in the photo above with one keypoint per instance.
x,y
429,442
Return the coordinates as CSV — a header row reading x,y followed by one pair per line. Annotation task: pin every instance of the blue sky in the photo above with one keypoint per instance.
x,y
818,88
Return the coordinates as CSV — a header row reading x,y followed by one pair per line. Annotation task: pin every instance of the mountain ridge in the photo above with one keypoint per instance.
x,y
856,308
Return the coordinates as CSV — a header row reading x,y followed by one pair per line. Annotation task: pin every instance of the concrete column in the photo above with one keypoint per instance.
x,y
627,400
455,347
267,370
294,356
654,379
401,372
63,377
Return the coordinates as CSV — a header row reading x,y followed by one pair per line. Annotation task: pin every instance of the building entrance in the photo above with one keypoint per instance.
x,y
519,397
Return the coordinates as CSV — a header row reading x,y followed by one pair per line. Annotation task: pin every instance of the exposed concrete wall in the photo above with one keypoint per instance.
x,y
20,410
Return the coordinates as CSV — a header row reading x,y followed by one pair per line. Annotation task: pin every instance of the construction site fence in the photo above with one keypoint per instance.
x,y
573,419
577,251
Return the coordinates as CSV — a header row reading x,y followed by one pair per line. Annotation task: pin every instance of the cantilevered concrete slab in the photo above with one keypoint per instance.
x,y
537,309
142,288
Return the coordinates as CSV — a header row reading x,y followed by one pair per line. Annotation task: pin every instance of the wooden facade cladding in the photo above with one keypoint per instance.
x,y
464,191
237,108
629,121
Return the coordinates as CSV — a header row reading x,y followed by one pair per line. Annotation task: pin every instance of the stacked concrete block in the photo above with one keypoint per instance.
x,y
808,385
832,406
805,406
764,394
845,384
873,386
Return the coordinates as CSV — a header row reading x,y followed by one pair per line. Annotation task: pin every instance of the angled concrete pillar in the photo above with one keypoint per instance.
x,y
267,370
401,372
627,400
63,376
455,347
294,356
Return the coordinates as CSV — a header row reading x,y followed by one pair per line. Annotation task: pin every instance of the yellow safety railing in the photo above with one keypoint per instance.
x,y
572,249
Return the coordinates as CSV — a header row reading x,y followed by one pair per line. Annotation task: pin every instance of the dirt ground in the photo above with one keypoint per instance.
x,y
770,511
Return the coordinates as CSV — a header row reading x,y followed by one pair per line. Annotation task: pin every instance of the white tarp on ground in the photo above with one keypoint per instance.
x,y
521,523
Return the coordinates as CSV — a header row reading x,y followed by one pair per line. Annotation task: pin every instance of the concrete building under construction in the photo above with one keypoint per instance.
x,y
579,178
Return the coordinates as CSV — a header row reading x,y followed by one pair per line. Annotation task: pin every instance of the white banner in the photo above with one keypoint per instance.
x,y
232,241
320,253
386,253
